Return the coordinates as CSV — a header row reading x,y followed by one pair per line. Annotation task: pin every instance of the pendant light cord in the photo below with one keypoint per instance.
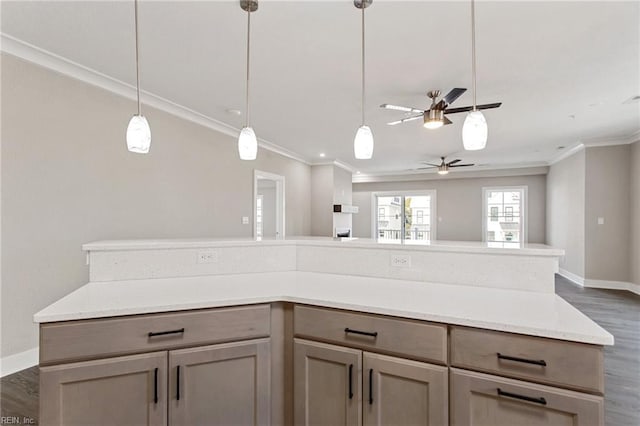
x,y
473,50
137,59
248,50
363,76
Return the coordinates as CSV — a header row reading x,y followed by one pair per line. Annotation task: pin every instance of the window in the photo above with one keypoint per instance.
x,y
505,214
404,216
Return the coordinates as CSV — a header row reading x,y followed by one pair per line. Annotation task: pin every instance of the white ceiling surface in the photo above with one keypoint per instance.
x,y
544,60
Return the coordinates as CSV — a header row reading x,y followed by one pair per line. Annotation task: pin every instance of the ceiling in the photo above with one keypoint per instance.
x,y
561,69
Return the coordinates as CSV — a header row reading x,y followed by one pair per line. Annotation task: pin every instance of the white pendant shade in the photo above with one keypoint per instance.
x,y
138,135
363,143
247,144
474,131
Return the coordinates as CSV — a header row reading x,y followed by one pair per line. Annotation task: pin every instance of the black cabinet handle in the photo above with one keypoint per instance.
x,y
371,386
540,400
541,362
155,386
164,333
350,381
178,383
362,333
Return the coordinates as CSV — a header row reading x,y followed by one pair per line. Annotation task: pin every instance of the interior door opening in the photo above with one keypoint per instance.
x,y
268,206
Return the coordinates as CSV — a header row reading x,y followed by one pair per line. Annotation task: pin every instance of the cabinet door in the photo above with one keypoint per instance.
x,y
129,390
327,384
402,392
226,384
481,399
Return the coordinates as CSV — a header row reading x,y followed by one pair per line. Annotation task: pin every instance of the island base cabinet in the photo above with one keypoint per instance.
x,y
327,388
128,390
225,384
404,392
340,386
479,399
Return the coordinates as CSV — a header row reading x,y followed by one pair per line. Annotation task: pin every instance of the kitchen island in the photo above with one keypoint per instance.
x,y
297,342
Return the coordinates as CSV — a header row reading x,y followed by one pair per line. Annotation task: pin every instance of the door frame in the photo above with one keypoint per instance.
x,y
280,201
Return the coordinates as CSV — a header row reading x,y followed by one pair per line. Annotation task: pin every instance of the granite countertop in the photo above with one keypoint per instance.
x,y
536,314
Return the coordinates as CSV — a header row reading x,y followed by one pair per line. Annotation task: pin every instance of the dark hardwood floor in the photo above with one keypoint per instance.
x,y
616,311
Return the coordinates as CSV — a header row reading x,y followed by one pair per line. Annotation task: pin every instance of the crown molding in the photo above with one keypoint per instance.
x,y
346,166
513,170
618,140
64,66
574,149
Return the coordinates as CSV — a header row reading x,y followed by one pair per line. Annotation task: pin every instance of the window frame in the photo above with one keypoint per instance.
x,y
423,192
524,210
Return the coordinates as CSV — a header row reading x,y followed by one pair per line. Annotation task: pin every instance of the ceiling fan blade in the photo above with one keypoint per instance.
x,y
454,161
453,95
446,121
425,168
415,117
431,164
440,105
462,165
401,108
469,108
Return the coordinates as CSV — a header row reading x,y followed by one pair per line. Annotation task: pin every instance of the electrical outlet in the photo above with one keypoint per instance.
x,y
208,256
601,221
401,260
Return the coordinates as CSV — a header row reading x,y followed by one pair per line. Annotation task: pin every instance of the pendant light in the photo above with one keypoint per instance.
x,y
474,130
138,131
247,141
363,142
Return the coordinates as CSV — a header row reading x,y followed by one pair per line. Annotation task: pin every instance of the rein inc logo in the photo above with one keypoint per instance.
x,y
17,420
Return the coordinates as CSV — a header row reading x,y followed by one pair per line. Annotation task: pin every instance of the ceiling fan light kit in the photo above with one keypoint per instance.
x,y
247,141
138,130
434,119
363,142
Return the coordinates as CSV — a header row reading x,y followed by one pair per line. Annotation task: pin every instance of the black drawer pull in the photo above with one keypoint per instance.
x,y
350,381
155,386
164,333
371,386
178,383
540,400
362,333
541,362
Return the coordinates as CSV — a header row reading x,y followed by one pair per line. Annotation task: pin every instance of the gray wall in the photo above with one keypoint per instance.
x,y
342,194
459,204
267,188
67,179
607,184
565,211
635,214
322,200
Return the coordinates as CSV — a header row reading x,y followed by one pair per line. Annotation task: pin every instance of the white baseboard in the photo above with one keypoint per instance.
x,y
613,285
17,362
576,279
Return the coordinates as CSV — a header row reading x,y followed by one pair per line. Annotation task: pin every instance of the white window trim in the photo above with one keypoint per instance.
x,y
434,209
524,219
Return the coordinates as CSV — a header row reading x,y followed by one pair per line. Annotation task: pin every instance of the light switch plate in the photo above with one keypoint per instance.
x,y
245,220
601,221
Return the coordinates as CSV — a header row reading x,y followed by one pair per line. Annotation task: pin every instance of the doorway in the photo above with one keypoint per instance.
x,y
268,205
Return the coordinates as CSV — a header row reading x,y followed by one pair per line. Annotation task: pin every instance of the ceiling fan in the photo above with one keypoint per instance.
x,y
443,167
434,117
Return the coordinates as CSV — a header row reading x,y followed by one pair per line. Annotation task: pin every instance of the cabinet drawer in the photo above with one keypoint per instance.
x,y
567,364
143,333
410,338
483,399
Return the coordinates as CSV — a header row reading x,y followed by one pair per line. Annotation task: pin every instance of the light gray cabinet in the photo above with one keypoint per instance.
x,y
336,385
403,392
128,390
225,384
486,400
